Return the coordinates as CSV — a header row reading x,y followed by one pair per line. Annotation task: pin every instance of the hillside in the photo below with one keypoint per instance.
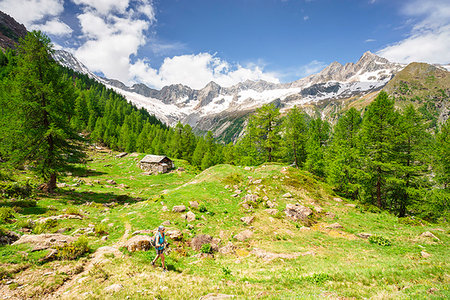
x,y
322,255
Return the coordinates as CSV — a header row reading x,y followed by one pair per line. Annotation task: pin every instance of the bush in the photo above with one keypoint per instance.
x,y
206,248
73,250
45,226
73,211
6,214
22,223
319,278
202,208
226,271
15,189
233,179
101,229
379,240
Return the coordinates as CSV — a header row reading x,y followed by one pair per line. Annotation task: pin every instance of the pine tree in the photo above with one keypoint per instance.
x,y
377,146
442,155
410,160
343,157
263,132
296,131
41,91
318,135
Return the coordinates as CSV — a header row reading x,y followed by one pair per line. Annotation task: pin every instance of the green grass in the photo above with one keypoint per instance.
x,y
344,265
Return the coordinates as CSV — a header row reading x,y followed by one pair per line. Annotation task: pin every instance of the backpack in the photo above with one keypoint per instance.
x,y
153,241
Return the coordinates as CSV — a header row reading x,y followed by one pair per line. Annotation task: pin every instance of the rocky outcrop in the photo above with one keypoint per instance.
x,y
298,212
10,31
44,241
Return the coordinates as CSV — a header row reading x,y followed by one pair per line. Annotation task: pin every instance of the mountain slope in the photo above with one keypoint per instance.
x,y
10,31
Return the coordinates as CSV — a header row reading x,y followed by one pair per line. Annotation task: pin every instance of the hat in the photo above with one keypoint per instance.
x,y
161,228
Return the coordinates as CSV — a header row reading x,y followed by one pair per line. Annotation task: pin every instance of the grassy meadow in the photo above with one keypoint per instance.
x,y
315,262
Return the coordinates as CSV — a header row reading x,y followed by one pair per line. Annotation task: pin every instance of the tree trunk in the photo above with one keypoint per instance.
x,y
51,185
379,189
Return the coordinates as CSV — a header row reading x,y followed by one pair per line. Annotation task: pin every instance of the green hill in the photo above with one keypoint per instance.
x,y
318,256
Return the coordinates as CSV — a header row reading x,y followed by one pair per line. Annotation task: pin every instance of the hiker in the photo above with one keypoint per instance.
x,y
160,241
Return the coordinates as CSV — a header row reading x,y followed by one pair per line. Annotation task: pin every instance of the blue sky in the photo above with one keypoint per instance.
x,y
192,42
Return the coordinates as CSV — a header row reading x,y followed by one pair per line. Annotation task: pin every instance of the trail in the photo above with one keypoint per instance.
x,y
98,258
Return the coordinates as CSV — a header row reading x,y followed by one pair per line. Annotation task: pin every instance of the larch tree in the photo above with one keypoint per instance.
x,y
43,103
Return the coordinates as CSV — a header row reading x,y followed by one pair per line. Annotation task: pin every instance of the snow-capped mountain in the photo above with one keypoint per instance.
x,y
178,102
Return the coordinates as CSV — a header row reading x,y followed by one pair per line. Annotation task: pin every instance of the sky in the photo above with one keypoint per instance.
x,y
193,42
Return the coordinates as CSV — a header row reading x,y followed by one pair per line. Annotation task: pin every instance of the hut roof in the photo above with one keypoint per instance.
x,y
153,158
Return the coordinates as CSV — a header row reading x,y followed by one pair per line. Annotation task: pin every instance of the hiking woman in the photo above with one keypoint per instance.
x,y
160,240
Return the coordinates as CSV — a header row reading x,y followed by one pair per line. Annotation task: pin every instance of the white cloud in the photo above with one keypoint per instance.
x,y
115,30
38,15
29,12
54,26
429,39
370,40
196,71
305,18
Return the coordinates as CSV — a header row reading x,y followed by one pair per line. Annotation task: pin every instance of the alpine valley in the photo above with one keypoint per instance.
x,y
224,110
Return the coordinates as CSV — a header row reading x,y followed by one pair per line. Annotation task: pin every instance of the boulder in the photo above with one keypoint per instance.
x,y
244,235
62,185
248,220
9,237
350,205
298,212
330,215
120,155
250,198
139,243
44,241
247,168
237,192
287,195
113,288
190,216
425,254
234,195
429,234
228,248
271,204
334,226
111,182
193,204
166,223
271,211
337,199
179,208
123,186
257,181
164,208
318,209
175,234
364,235
199,240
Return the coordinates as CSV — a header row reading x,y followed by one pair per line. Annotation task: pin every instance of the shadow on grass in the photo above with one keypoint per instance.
x,y
78,198
83,172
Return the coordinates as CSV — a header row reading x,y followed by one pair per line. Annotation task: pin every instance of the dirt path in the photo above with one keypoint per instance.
x,y
98,258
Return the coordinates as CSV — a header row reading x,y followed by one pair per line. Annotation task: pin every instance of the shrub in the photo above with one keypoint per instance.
x,y
206,248
226,271
202,208
101,229
15,189
233,179
45,226
73,211
73,250
377,239
6,214
22,223
319,278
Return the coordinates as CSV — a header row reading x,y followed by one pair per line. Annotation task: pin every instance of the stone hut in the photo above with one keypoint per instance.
x,y
156,164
